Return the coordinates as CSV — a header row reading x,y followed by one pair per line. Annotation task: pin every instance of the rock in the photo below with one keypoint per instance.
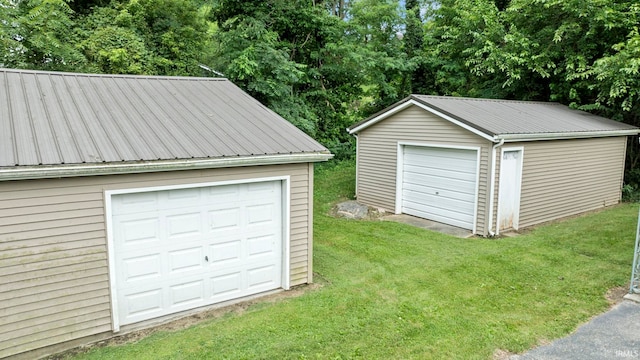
x,y
352,210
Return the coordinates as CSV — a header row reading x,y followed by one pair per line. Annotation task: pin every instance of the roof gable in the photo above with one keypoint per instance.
x,y
508,119
49,118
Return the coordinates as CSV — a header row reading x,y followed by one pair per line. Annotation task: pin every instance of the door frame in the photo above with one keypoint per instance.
x,y
286,218
400,170
516,215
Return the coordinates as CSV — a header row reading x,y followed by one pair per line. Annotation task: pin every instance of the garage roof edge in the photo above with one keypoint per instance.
x,y
58,171
405,103
509,120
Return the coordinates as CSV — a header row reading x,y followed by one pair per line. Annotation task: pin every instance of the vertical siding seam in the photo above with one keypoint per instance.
x,y
310,226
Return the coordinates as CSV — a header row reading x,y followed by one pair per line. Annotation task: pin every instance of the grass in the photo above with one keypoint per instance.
x,y
394,291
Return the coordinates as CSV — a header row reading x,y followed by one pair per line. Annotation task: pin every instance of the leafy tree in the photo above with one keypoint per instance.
x,y
418,79
164,37
35,34
293,57
375,27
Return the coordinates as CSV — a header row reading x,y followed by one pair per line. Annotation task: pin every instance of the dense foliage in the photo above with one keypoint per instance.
x,y
326,64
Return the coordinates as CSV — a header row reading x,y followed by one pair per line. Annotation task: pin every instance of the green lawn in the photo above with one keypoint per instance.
x,y
393,291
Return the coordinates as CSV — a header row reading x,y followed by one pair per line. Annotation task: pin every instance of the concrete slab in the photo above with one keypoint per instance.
x,y
612,335
633,297
429,225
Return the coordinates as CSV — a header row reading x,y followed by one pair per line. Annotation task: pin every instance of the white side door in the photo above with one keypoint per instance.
x,y
509,188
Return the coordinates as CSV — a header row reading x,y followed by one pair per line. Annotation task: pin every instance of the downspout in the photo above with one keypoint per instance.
x,y
357,150
493,184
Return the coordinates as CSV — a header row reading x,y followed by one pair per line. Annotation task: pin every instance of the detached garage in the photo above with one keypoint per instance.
x,y
128,200
488,165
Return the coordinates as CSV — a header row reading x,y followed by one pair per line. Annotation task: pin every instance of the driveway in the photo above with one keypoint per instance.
x,y
612,335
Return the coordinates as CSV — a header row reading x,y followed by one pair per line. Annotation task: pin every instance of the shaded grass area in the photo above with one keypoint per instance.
x,y
393,291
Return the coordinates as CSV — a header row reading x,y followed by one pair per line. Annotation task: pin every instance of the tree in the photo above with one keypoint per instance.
x,y
293,57
165,37
35,34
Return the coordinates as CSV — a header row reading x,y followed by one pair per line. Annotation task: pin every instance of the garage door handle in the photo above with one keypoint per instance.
x,y
206,258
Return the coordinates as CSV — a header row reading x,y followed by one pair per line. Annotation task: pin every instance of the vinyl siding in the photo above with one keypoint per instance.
x,y
566,177
377,156
54,284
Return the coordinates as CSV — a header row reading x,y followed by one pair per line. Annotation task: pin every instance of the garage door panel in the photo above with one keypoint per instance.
x,y
141,268
261,277
424,190
439,184
225,253
453,219
135,203
440,202
180,225
222,194
262,214
261,246
197,247
143,303
451,174
226,285
439,159
224,219
439,210
444,164
141,231
186,293
185,259
182,197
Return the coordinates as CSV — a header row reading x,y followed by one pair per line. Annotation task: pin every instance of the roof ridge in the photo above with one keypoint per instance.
x,y
484,99
121,76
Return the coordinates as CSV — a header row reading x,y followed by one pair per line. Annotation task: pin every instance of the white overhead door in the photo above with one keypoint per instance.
x,y
440,184
179,249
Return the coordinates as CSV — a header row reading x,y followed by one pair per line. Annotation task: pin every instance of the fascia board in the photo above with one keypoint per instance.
x,y
58,171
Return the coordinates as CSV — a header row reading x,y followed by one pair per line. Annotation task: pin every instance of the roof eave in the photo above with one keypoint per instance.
x,y
75,170
565,135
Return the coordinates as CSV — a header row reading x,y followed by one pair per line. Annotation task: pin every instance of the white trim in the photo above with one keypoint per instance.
x,y
357,162
115,321
564,135
492,184
286,216
57,171
382,116
425,107
286,225
400,170
518,188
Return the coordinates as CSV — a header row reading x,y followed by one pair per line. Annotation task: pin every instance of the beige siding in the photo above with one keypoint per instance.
x,y
567,177
377,156
54,283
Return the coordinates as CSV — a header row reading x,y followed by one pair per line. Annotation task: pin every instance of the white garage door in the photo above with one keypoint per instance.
x,y
180,249
440,184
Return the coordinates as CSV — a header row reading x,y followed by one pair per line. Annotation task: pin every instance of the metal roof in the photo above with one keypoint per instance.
x,y
509,118
49,118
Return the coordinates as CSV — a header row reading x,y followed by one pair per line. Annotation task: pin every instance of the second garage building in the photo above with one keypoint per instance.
x,y
488,165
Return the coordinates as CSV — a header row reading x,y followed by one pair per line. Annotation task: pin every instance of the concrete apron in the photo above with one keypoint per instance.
x,y
611,335
429,225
